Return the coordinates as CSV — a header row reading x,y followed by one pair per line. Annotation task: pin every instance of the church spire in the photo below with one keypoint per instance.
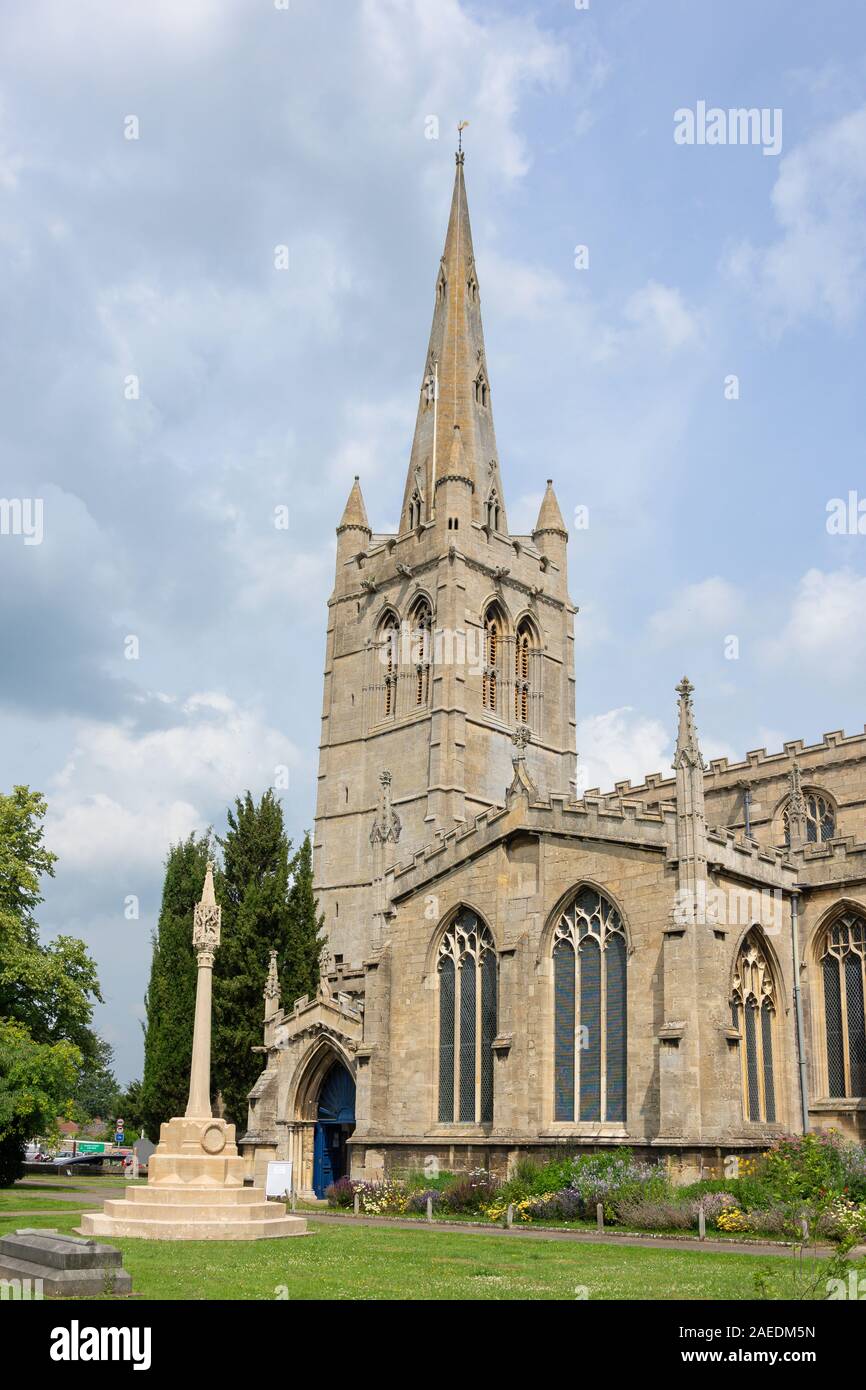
x,y
549,515
455,391
354,516
688,751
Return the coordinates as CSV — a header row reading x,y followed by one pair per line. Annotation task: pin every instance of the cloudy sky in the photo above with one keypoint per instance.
x,y
165,384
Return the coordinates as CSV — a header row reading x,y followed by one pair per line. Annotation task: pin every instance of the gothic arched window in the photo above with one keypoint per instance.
x,y
422,650
415,510
481,389
467,1021
493,510
589,1011
493,629
843,966
524,645
820,819
753,1013
389,653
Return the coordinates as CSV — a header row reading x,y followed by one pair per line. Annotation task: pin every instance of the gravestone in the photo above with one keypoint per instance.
x,y
66,1265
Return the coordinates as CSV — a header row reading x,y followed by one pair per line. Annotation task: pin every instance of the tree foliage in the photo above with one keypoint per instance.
x,y
300,967
170,999
97,1094
267,900
46,992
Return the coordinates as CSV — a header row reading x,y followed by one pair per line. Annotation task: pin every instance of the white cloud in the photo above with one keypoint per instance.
x,y
620,744
371,441
817,266
515,289
523,513
662,314
437,54
122,798
825,626
706,608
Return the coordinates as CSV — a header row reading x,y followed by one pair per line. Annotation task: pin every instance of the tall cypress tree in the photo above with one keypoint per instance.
x,y
253,890
268,905
170,999
300,973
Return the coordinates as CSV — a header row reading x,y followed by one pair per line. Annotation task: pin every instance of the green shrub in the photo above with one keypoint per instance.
x,y
812,1168
751,1191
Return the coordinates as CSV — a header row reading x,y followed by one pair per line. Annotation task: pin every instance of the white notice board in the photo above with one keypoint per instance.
x,y
279,1180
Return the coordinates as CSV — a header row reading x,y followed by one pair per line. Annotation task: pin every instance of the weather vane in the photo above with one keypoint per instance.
x,y
460,129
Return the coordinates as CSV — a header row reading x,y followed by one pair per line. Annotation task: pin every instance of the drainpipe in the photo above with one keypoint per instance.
x,y
747,809
798,1008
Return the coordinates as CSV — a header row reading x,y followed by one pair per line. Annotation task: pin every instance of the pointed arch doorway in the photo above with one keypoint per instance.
x,y
335,1121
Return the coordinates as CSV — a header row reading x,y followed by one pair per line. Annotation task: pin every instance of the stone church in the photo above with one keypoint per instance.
x,y
516,965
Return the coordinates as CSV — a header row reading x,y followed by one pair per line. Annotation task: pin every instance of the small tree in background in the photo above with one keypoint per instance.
x,y
129,1109
300,972
97,1093
170,999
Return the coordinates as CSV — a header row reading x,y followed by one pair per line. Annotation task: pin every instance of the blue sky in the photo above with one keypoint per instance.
x,y
306,127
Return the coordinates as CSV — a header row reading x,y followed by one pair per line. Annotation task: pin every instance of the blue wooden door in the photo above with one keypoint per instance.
x,y
336,1118
323,1165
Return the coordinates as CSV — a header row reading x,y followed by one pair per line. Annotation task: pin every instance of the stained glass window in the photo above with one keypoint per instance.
x,y
589,1011
843,961
753,1008
820,820
468,989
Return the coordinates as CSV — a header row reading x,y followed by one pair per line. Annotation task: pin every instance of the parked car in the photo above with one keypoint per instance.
x,y
65,1162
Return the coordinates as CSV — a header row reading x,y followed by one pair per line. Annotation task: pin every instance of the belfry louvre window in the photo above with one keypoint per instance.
x,y
753,1013
843,966
422,651
523,647
467,1021
389,651
492,643
820,820
589,1011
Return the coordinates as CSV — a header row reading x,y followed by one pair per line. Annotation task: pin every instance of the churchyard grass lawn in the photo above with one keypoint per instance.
x,y
18,1199
366,1262
57,1182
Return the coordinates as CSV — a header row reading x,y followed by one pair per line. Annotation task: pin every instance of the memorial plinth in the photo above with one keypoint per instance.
x,y
195,1185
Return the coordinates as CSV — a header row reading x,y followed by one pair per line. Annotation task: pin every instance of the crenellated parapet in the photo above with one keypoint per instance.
x,y
591,820
758,762
727,851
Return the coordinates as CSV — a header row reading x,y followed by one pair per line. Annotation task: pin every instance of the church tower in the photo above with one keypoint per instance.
x,y
443,639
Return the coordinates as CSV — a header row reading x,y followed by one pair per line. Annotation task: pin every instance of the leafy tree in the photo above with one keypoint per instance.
x,y
46,992
170,999
129,1108
97,1093
36,1082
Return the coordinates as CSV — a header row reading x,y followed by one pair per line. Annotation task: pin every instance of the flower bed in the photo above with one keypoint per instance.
x,y
816,1178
